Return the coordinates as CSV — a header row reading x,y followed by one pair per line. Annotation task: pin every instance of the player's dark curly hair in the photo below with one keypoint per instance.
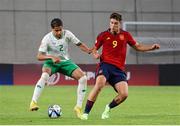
x,y
56,22
116,16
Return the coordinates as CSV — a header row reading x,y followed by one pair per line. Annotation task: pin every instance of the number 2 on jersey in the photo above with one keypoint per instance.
x,y
61,47
114,43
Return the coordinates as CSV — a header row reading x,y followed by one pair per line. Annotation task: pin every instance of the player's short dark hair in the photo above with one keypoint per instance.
x,y
56,22
116,16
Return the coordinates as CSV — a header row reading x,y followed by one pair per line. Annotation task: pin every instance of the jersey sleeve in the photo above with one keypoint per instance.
x,y
130,39
72,38
98,42
43,46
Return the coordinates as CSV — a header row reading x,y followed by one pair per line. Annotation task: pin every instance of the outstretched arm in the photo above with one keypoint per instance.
x,y
42,56
95,53
84,48
143,47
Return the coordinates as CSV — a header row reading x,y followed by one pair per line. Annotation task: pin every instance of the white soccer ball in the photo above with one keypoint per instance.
x,y
54,111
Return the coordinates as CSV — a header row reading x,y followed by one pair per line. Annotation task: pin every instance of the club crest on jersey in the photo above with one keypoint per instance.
x,y
121,37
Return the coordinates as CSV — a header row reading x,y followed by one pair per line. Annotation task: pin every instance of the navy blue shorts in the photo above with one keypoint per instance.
x,y
112,73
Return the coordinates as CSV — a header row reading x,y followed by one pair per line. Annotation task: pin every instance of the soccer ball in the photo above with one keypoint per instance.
x,y
54,111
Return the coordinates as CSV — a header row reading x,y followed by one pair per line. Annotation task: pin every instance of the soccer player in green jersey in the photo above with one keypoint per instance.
x,y
54,52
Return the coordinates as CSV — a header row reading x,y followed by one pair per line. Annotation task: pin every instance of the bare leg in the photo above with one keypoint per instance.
x,y
122,89
100,83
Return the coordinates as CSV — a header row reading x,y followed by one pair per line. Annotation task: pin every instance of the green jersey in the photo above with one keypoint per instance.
x,y
58,47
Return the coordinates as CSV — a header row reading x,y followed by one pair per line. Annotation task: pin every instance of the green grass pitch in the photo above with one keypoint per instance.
x,y
156,105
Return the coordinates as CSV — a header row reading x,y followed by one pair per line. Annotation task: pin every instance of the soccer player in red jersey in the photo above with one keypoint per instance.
x,y
112,61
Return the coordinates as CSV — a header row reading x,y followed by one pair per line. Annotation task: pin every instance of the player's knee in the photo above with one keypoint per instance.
x,y
83,80
46,70
45,76
100,81
99,86
102,84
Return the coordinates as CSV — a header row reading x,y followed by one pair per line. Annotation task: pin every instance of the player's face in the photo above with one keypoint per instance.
x,y
57,31
114,25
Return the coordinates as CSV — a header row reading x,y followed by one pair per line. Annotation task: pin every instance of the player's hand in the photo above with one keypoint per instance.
x,y
90,50
96,55
155,46
56,59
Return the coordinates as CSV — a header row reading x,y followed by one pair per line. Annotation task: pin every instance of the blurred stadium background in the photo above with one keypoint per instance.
x,y
23,23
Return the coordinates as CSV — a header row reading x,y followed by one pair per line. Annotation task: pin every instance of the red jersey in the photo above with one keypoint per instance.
x,y
114,47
